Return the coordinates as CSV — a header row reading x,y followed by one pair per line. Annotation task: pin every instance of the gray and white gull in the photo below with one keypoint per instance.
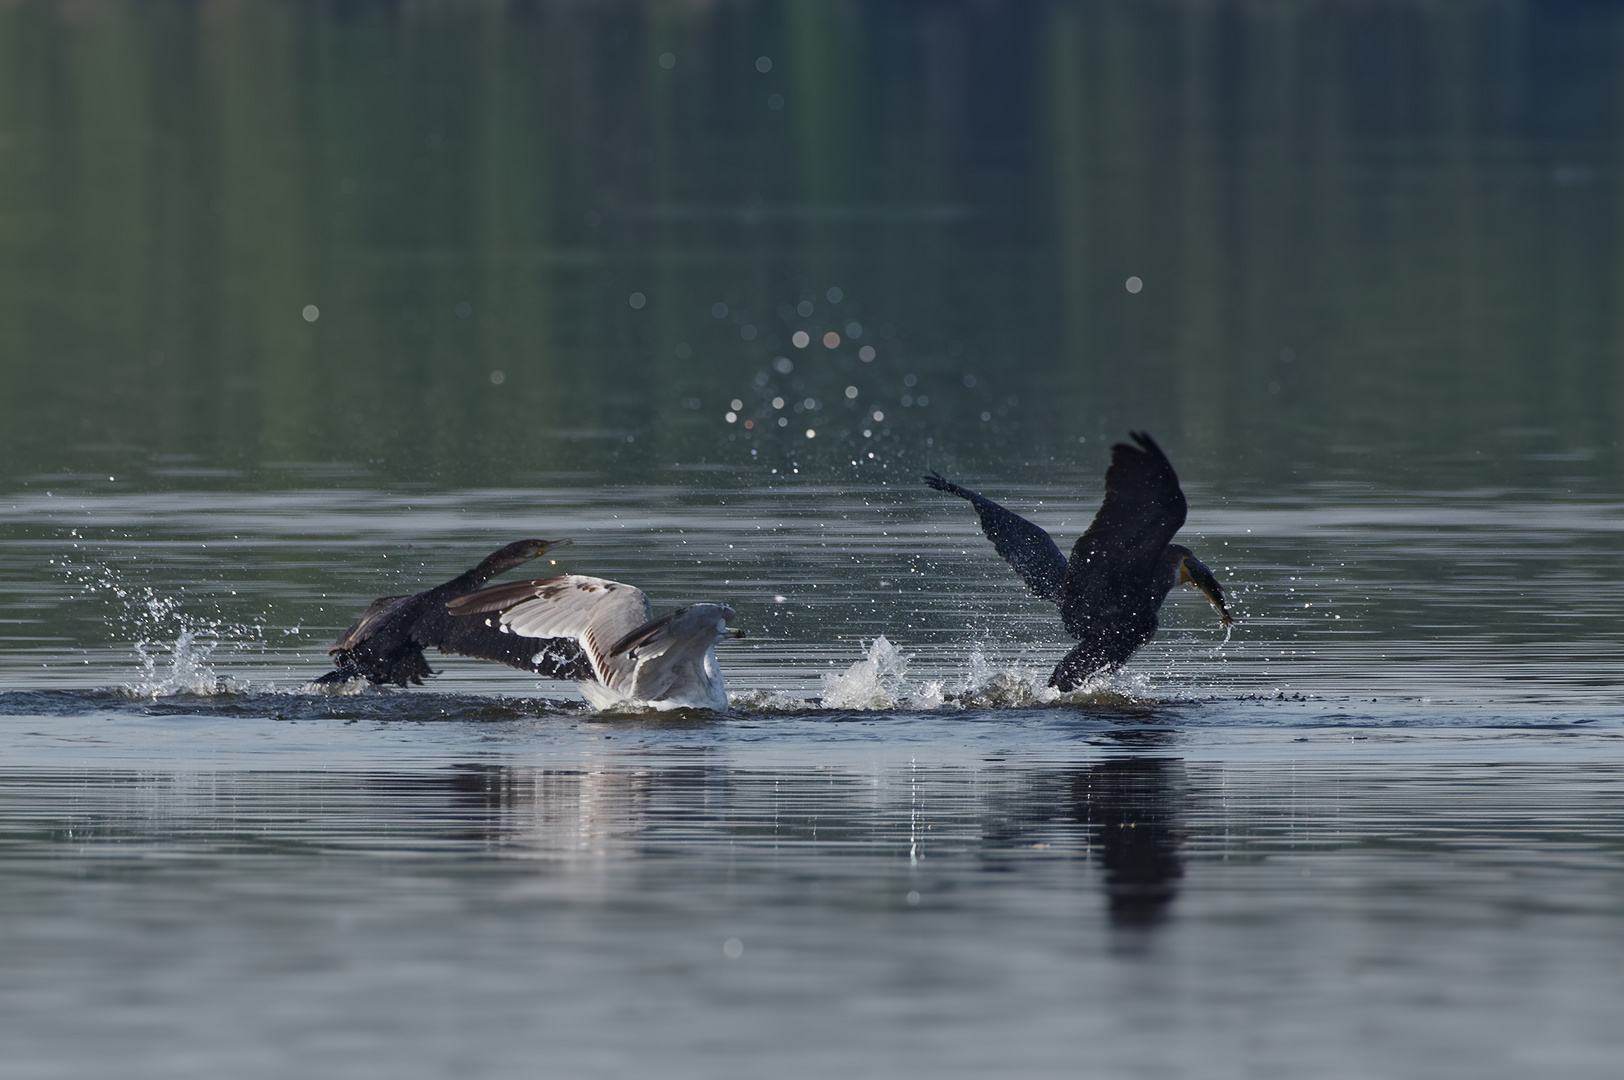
x,y
600,634
635,659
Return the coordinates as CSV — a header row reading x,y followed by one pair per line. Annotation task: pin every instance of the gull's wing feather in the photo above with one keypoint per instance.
x,y
642,635
1030,550
482,637
595,612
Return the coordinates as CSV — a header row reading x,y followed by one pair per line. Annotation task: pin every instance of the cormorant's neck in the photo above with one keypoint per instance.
x,y
493,565
500,562
1167,571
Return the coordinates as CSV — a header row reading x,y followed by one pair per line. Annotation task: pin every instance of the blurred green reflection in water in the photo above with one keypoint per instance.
x,y
1376,241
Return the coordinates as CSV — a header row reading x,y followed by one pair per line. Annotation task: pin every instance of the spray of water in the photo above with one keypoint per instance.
x,y
991,685
879,681
172,646
180,667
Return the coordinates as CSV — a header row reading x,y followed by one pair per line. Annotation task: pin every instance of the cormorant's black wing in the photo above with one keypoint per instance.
x,y
1114,563
374,618
1030,550
385,645
378,646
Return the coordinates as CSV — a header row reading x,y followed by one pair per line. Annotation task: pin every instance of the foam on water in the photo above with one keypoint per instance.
x,y
990,684
346,688
768,701
879,681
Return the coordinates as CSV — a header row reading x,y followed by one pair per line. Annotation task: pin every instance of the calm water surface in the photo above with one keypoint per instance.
x,y
305,306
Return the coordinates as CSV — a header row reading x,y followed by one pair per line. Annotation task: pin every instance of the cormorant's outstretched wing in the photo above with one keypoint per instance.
x,y
590,614
385,645
1113,564
378,647
379,612
1030,550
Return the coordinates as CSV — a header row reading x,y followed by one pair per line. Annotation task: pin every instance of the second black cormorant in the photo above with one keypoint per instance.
x,y
1120,570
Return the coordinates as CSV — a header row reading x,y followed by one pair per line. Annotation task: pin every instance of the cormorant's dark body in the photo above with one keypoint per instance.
x,y
386,643
1120,570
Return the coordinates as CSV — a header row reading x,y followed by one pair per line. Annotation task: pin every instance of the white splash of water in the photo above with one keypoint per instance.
x,y
991,684
879,681
181,667
172,648
346,688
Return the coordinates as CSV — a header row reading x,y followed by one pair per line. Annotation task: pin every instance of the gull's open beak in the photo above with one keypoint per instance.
x,y
1192,571
734,632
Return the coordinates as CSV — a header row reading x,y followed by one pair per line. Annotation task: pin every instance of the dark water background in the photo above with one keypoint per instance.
x,y
303,304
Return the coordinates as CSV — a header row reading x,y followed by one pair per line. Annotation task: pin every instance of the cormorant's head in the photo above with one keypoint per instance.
x,y
535,549
1192,571
506,558
521,551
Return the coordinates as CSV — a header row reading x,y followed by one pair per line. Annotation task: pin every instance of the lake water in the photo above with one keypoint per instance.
x,y
302,306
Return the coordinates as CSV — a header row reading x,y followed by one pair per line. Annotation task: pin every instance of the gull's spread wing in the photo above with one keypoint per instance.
x,y
547,616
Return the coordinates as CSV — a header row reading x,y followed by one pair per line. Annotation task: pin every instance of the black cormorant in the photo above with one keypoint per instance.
x,y
385,645
1120,570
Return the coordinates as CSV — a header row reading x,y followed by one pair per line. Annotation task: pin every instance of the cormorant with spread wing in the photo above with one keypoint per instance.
x,y
1120,570
385,645
601,634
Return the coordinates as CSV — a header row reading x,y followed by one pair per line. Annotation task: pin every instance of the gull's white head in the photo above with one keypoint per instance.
x,y
696,620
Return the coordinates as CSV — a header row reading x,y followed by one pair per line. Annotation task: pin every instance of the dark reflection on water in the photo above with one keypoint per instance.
x,y
1132,808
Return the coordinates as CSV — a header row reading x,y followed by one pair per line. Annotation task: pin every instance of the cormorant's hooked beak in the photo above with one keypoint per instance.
x,y
544,546
1192,571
